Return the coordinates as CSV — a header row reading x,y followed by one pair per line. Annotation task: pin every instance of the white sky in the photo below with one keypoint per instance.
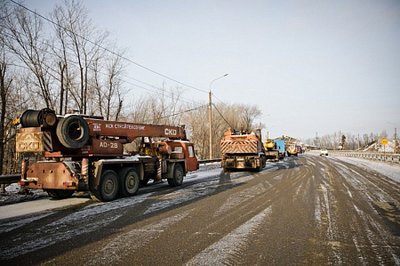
x,y
311,66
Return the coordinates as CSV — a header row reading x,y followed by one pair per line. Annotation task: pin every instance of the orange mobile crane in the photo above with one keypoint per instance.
x,y
83,153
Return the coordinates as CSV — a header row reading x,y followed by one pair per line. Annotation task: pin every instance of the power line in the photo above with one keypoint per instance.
x,y
222,116
92,68
108,50
159,90
182,112
217,98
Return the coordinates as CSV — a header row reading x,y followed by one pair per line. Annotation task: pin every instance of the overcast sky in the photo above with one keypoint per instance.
x,y
311,66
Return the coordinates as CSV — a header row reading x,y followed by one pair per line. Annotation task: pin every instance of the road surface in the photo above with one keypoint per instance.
x,y
309,210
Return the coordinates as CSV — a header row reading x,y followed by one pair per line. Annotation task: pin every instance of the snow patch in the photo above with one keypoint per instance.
x,y
111,253
9,226
317,211
43,240
386,169
220,252
236,199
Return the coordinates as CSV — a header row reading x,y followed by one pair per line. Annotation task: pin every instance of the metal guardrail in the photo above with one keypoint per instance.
x,y
210,161
375,156
9,179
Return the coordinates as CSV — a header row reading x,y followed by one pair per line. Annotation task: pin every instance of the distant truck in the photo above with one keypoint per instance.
x,y
242,151
281,146
291,149
299,149
271,150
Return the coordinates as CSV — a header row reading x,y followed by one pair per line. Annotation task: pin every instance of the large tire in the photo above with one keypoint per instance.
x,y
129,182
60,194
177,178
73,132
109,186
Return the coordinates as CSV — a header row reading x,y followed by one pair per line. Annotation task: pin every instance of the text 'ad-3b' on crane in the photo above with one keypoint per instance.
x,y
107,158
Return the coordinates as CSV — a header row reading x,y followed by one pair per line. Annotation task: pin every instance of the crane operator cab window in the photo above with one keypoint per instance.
x,y
191,151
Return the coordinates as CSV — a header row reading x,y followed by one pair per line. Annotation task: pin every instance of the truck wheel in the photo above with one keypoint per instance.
x,y
129,182
177,179
108,188
60,194
73,132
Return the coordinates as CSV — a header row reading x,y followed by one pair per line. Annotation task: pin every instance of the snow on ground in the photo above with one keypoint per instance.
x,y
11,198
390,170
206,181
12,195
232,245
385,168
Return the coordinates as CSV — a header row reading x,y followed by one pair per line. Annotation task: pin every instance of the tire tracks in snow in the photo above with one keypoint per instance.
x,y
226,250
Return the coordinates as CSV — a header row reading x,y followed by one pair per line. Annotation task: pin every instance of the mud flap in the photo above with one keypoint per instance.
x,y
171,169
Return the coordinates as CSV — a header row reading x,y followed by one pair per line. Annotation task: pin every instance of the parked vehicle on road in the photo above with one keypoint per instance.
x,y
291,149
271,150
86,153
242,150
323,152
281,146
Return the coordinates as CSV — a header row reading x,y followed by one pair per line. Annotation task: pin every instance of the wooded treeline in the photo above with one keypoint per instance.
x,y
62,61
346,141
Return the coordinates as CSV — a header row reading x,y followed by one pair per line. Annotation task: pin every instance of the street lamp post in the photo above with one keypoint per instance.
x,y
210,114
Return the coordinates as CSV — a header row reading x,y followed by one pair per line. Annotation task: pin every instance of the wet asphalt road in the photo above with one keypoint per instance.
x,y
308,210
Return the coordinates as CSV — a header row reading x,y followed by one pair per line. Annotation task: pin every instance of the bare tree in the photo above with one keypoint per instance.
x,y
5,85
113,92
9,100
108,88
196,124
23,36
163,108
248,116
77,35
61,52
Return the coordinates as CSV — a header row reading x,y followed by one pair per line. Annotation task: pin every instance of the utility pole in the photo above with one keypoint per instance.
x,y
210,122
210,115
396,144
